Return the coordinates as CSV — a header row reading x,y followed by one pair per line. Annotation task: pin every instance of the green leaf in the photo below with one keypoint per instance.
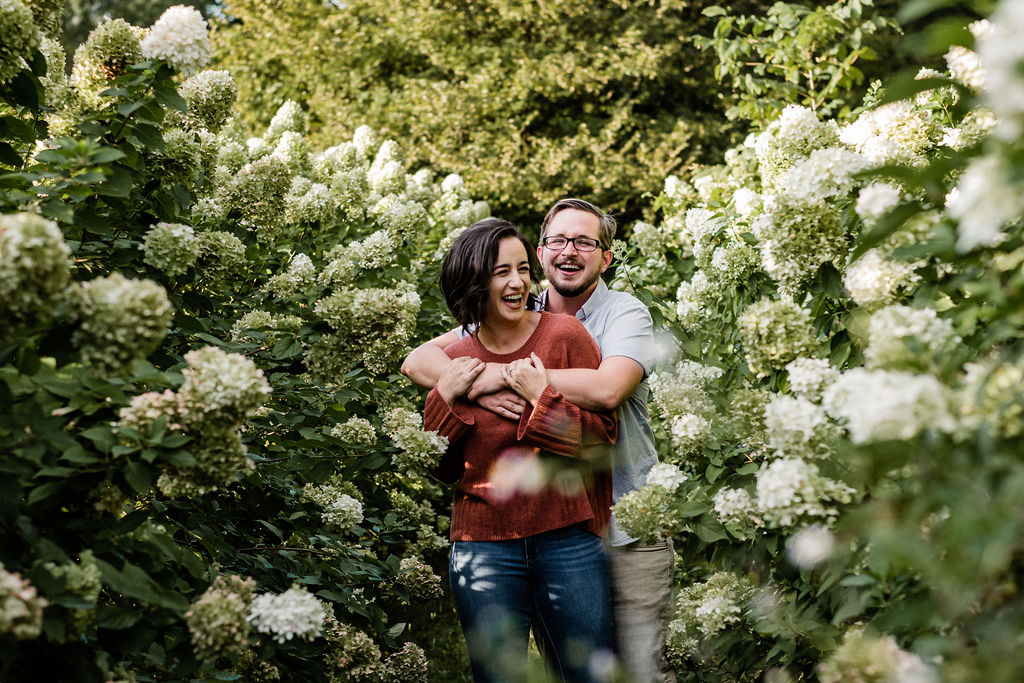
x,y
102,436
25,89
45,491
9,156
709,530
139,476
116,617
133,582
107,155
714,11
170,98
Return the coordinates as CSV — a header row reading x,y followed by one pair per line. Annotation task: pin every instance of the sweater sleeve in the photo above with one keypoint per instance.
x,y
564,428
439,417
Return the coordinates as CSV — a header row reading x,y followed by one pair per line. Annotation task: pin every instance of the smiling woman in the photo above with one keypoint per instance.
x,y
533,494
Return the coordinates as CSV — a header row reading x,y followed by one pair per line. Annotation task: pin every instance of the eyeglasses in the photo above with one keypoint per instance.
x,y
558,243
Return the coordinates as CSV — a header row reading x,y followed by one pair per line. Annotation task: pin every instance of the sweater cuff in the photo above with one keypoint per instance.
x,y
439,417
551,425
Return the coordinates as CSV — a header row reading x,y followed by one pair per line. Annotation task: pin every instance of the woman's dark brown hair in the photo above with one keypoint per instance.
x,y
466,269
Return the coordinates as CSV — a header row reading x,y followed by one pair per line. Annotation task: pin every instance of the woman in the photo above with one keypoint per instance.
x,y
528,509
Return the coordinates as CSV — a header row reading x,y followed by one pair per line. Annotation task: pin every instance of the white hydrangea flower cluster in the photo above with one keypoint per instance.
x,y
704,610
83,579
773,333
257,193
1001,49
119,320
667,476
792,490
746,201
253,320
798,427
210,96
879,405
874,281
647,513
355,431
309,202
984,202
372,326
682,400
292,150
179,37
222,386
341,510
289,118
992,394
866,658
296,613
110,49
386,174
700,231
876,200
797,237
825,173
900,337
894,133
810,546
218,621
420,450
808,377
21,36
296,281
219,392
34,269
21,607
965,67
172,248
691,298
371,253
419,579
794,135
737,511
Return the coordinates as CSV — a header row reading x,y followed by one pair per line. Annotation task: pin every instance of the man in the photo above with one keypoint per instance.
x,y
575,249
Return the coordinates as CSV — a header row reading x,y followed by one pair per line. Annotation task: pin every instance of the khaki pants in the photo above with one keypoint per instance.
x,y
641,578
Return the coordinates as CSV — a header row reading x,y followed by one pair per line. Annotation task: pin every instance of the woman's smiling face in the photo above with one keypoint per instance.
x,y
510,283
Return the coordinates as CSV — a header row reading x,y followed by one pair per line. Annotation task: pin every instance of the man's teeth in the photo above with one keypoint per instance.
x,y
570,266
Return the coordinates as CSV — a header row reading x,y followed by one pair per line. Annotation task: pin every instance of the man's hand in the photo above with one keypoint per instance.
x,y
527,377
505,403
490,381
457,377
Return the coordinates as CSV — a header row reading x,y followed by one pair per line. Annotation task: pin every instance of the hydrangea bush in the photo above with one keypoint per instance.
x,y
844,400
211,468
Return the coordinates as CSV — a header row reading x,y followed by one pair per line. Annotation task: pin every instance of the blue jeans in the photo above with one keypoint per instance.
x,y
557,580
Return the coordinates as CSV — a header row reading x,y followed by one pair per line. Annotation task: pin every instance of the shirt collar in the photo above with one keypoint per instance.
x,y
587,309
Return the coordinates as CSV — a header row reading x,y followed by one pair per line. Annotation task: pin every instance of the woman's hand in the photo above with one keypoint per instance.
x,y
457,377
527,377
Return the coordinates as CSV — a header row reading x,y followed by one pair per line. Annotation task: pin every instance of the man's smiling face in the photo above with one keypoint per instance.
x,y
569,271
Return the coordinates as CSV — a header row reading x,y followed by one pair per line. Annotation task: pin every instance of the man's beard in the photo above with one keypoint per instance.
x,y
574,290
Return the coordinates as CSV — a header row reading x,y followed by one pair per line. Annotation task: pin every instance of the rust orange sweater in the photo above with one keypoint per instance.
x,y
497,461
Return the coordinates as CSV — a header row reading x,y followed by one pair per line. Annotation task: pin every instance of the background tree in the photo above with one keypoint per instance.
x,y
527,101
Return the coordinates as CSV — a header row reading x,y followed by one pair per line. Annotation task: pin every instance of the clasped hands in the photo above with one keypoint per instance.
x,y
503,389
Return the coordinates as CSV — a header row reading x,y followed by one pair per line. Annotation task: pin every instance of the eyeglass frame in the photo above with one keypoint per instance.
x,y
572,240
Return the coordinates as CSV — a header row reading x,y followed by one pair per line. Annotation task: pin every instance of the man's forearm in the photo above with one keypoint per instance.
x,y
424,365
604,389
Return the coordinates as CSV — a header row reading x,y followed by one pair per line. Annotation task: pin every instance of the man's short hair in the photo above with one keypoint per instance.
x,y
608,225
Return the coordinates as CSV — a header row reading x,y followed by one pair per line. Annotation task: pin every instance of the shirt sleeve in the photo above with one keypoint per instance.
x,y
631,334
